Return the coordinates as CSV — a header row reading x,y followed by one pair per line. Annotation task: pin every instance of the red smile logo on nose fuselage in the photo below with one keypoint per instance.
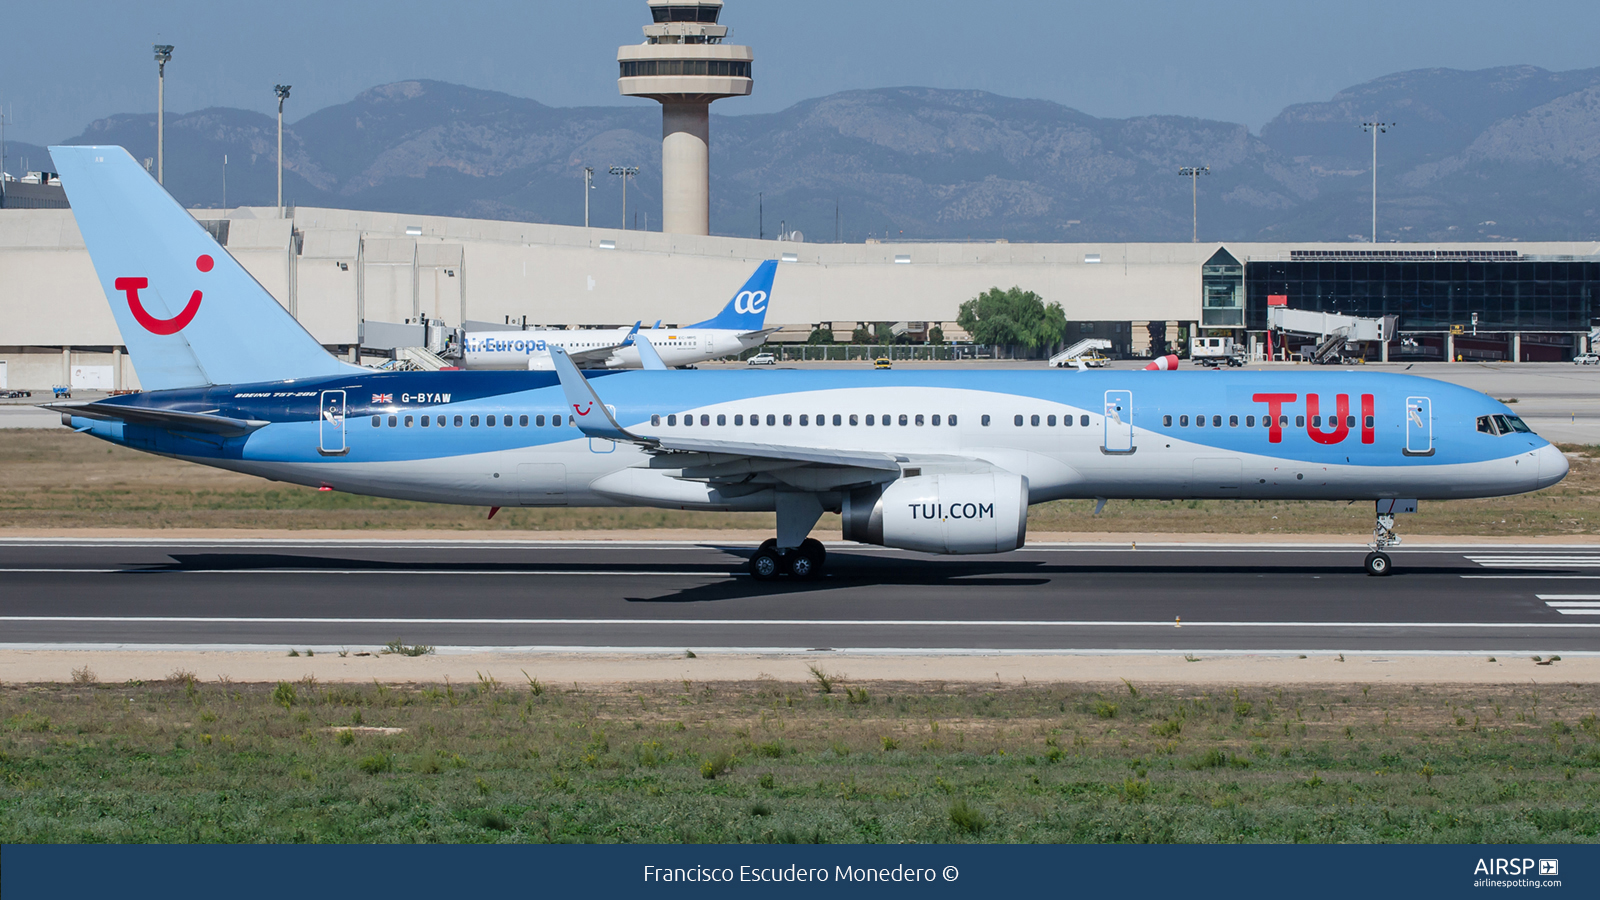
x,y
132,286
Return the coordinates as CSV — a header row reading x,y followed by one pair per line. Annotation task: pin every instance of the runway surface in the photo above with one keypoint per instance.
x,y
361,594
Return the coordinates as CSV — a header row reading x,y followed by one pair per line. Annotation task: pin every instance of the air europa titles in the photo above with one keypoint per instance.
x,y
952,511
1339,420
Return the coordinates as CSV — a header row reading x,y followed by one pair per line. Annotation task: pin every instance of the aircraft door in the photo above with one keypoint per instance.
x,y
330,424
1118,422
1419,426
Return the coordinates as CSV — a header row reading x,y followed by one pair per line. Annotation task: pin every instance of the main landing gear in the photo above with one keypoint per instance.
x,y
1383,537
802,563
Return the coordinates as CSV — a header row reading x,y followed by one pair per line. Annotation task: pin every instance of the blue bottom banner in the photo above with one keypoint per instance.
x,y
251,871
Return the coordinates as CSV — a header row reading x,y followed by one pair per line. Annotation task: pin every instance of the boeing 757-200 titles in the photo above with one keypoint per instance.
x,y
941,461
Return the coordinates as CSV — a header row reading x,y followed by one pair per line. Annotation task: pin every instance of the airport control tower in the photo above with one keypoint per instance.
x,y
684,65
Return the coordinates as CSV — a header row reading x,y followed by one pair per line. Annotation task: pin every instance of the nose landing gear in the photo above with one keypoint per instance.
x,y
802,563
1383,537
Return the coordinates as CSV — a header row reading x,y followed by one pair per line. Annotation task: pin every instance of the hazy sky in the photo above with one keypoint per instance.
x,y
67,63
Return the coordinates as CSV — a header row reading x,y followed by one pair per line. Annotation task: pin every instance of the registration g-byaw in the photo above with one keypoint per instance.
x,y
940,461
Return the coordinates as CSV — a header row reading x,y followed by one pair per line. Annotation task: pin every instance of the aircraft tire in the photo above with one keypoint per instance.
x,y
813,548
803,565
765,565
1378,564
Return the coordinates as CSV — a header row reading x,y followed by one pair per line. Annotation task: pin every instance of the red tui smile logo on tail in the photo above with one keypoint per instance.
x,y
132,286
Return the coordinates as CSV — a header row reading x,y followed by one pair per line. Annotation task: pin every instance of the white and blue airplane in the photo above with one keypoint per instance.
x,y
738,327
940,461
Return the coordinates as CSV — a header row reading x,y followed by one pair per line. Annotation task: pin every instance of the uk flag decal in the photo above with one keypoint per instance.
x,y
382,398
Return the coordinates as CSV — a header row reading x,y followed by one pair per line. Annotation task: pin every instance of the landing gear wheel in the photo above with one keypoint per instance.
x,y
1378,564
769,544
814,549
804,565
766,565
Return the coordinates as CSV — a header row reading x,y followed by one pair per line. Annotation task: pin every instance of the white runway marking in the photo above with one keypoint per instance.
x,y
1569,561
901,623
1573,604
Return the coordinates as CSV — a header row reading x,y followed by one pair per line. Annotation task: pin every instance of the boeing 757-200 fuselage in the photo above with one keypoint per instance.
x,y
942,461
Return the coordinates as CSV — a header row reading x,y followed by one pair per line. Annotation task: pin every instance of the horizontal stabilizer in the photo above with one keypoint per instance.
x,y
202,423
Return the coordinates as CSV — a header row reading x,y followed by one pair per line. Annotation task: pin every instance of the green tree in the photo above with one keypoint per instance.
x,y
1014,318
935,335
820,336
862,335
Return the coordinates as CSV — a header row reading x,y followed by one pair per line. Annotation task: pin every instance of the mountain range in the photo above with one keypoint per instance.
x,y
1508,153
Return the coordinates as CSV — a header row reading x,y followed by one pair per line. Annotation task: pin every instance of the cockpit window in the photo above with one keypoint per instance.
x,y
1512,423
1503,425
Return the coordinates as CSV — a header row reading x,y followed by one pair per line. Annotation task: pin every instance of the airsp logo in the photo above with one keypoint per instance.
x,y
750,302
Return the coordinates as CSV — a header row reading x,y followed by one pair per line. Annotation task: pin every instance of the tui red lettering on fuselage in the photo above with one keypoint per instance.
x,y
1339,421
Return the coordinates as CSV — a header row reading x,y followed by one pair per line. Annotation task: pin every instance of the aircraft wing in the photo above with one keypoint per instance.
x,y
202,422
779,453
594,357
720,462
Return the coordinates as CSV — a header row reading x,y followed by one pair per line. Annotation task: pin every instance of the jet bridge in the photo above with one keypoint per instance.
x,y
1335,333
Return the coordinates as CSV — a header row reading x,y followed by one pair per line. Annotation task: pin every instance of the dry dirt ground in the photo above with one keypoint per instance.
x,y
612,670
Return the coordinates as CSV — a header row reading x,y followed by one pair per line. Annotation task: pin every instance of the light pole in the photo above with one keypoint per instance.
x,y
626,172
224,181
1193,173
163,56
588,185
282,90
1375,128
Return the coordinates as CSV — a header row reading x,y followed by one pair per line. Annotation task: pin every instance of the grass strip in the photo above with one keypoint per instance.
x,y
183,761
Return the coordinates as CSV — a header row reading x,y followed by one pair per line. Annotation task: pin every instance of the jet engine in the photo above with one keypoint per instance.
x,y
984,512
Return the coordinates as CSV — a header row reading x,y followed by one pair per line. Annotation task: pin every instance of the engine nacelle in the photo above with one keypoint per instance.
x,y
945,513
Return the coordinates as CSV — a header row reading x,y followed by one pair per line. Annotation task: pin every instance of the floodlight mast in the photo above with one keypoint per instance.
x,y
1193,173
282,92
588,185
1376,128
163,56
626,172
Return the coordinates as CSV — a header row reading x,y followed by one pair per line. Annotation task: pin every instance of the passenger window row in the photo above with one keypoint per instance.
x,y
807,419
1266,421
471,421
1066,421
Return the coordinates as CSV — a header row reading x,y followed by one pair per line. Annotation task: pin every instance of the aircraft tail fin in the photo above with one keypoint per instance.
x,y
189,314
747,311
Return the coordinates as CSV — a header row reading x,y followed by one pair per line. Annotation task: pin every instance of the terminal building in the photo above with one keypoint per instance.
x,y
336,270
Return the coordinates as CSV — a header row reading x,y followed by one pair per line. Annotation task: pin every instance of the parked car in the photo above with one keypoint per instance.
x,y
1586,359
762,359
882,362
